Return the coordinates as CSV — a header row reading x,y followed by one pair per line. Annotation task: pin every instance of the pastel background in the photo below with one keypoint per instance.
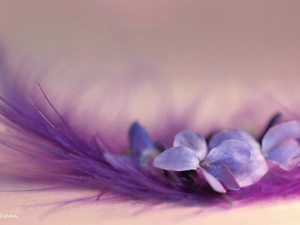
x,y
233,54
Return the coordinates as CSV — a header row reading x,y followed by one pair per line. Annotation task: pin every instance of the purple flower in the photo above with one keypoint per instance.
x,y
280,145
142,153
142,148
234,161
256,167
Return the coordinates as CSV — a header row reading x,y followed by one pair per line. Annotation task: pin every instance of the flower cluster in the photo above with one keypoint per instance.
x,y
227,161
231,160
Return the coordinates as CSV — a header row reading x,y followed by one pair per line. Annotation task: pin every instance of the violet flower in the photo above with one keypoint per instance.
x,y
234,161
256,167
142,153
280,145
142,148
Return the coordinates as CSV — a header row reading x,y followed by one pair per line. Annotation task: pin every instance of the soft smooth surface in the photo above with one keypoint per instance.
x,y
216,47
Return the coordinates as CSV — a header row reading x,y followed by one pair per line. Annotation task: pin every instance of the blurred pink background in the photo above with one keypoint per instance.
x,y
238,52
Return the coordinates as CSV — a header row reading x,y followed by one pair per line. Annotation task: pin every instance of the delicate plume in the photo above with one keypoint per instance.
x,y
195,170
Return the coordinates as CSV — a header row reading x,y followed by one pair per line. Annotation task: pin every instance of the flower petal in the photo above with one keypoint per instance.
x,y
223,174
232,153
177,159
139,139
257,166
213,182
239,135
192,140
279,133
284,152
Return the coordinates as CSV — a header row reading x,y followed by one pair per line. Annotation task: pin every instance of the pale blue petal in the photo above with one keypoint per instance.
x,y
192,140
257,166
279,133
139,139
177,159
239,135
232,153
223,174
213,182
284,152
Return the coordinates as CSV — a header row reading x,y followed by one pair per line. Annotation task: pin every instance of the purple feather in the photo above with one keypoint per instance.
x,y
54,151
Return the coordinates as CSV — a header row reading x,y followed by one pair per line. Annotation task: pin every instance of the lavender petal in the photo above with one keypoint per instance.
x,y
239,135
192,140
279,133
223,174
232,153
257,166
139,139
177,159
284,152
213,182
